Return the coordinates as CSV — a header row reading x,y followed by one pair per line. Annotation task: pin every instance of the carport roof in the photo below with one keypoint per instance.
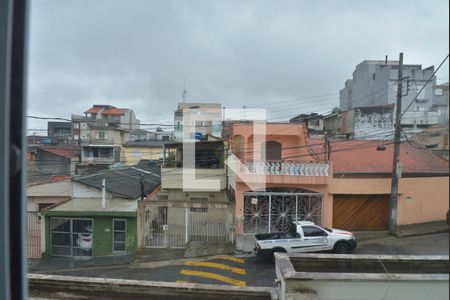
x,y
93,207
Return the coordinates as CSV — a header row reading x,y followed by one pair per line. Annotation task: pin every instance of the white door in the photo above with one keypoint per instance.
x,y
315,239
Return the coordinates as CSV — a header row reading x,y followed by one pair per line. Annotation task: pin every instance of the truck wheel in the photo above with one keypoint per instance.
x,y
279,250
342,248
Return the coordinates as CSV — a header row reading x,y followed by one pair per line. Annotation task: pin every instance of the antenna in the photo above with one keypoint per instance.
x,y
184,94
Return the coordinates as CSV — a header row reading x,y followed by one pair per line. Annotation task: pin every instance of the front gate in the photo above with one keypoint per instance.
x,y
271,211
34,235
173,227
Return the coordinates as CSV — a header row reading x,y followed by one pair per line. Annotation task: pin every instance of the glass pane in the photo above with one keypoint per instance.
x,y
119,236
119,246
82,226
60,239
58,224
119,225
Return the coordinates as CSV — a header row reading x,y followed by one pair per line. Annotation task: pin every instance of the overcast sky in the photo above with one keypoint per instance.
x,y
140,54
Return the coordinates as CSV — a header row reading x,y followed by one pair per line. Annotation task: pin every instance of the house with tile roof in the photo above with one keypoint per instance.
x,y
361,184
279,173
101,132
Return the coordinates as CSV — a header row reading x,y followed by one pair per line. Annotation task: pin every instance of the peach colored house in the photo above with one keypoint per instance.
x,y
275,177
277,174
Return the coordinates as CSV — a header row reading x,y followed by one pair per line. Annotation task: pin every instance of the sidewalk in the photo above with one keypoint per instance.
x,y
404,231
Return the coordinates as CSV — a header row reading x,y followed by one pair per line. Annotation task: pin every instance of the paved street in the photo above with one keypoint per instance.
x,y
250,271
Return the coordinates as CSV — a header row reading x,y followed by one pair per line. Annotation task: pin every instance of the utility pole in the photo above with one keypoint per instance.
x,y
396,164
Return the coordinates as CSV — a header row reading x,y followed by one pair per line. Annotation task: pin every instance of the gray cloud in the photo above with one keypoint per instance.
x,y
138,54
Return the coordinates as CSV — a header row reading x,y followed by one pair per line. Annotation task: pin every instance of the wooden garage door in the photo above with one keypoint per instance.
x,y
361,212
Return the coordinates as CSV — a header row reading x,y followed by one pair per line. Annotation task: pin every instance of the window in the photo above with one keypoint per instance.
x,y
373,76
76,125
438,92
198,210
313,231
119,235
101,135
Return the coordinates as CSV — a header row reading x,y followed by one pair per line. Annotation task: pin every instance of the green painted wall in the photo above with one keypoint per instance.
x,y
103,235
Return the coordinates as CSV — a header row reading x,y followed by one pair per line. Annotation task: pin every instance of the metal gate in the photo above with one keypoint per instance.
x,y
34,235
271,211
164,227
71,237
173,227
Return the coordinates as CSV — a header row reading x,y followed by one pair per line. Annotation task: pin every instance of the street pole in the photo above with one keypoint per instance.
x,y
395,164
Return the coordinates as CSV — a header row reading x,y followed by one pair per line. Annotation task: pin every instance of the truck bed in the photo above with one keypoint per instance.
x,y
275,236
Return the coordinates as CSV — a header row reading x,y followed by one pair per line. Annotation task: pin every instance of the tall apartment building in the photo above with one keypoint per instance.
x,y
374,83
203,119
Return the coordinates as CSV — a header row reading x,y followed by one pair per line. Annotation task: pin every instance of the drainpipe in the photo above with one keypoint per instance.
x,y
103,193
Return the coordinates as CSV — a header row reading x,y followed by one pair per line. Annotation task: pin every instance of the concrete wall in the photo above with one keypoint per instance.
x,y
421,199
172,178
49,163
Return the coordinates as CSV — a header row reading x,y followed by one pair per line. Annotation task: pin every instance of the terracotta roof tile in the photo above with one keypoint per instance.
x,y
363,157
94,110
115,111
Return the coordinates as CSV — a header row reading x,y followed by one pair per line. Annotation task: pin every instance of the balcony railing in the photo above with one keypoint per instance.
x,y
292,168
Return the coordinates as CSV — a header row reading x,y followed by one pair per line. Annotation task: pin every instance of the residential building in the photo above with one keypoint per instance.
x,y
101,132
57,160
284,175
60,132
201,118
313,121
102,146
193,205
374,83
367,123
90,225
435,139
361,185
42,192
274,178
440,101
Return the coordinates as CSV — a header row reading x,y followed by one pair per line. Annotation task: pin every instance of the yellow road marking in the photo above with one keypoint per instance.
x,y
231,258
215,265
213,276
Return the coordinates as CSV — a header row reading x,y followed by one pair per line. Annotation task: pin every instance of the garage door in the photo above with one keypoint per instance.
x,y
361,212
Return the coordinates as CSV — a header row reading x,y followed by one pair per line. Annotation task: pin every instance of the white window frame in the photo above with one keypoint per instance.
x,y
125,241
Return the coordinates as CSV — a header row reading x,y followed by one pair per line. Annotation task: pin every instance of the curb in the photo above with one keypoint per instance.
x,y
421,233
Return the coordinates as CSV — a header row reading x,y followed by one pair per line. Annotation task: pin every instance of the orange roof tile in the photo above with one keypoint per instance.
x,y
115,111
93,110
357,156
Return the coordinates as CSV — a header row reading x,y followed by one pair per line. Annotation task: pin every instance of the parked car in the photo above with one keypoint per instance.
x,y
308,238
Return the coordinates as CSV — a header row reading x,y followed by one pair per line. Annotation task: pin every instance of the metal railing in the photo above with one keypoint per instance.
x,y
292,168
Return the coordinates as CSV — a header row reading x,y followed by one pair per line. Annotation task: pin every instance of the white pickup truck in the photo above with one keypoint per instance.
x,y
309,238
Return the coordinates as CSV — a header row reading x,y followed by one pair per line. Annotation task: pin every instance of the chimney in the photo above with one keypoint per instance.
x,y
103,193
385,60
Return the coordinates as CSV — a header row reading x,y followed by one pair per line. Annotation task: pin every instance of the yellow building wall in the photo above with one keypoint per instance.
x,y
132,155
